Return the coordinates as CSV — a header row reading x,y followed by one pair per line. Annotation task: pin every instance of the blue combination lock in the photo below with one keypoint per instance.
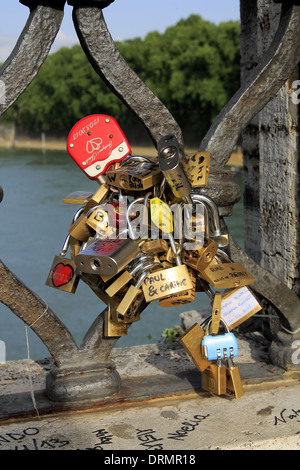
x,y
219,346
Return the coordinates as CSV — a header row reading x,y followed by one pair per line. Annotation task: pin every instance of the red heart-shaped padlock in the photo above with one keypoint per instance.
x,y
62,274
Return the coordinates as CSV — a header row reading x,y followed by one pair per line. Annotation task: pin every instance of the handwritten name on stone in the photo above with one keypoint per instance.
x,y
187,427
33,438
287,415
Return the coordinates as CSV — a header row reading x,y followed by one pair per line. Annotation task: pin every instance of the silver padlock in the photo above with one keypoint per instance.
x,y
107,256
172,169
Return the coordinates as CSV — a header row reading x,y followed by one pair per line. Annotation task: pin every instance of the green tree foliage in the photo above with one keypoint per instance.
x,y
193,67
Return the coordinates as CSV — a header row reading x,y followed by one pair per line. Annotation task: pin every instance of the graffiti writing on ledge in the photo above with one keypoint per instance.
x,y
31,438
287,416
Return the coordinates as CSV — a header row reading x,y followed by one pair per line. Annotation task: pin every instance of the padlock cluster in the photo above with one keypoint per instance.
x,y
147,235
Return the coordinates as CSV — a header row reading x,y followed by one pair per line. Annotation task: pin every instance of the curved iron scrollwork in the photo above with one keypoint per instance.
x,y
261,86
20,69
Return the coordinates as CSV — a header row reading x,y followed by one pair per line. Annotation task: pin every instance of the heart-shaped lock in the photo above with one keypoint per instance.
x,y
95,143
62,274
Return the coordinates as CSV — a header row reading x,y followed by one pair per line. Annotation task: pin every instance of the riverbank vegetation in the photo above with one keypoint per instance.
x,y
193,67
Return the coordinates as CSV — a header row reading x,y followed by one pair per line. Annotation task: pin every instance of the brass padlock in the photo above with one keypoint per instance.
x,y
75,247
80,229
135,268
169,255
98,220
195,230
200,259
216,313
62,274
155,246
98,197
166,282
183,298
191,342
227,275
133,177
130,296
197,168
118,284
234,386
78,197
174,280
113,328
213,379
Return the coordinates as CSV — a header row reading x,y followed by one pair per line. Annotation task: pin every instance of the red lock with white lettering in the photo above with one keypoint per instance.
x,y
95,143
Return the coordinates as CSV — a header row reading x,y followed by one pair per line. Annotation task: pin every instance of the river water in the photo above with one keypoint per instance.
x,y
33,225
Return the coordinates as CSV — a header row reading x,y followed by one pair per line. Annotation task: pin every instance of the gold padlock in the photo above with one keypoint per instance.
x,y
113,328
227,275
170,163
133,177
196,167
183,298
191,341
166,282
78,197
98,220
131,295
216,313
213,379
200,259
98,197
80,229
118,284
155,246
75,247
135,268
234,386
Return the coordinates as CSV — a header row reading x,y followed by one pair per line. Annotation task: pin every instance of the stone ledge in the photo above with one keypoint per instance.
x,y
148,373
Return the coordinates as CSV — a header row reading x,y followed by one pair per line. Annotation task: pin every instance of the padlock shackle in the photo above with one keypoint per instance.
x,y
213,212
143,263
135,158
221,321
67,240
65,245
224,255
206,215
130,229
174,249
